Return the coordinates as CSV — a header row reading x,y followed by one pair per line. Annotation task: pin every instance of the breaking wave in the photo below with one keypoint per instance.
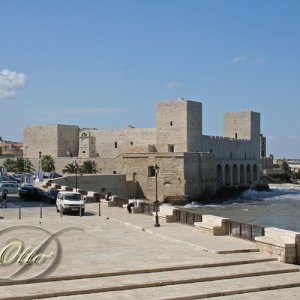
x,y
277,193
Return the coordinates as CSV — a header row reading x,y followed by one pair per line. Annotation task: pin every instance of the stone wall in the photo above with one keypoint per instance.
x,y
228,148
104,166
199,174
110,143
170,178
116,184
267,163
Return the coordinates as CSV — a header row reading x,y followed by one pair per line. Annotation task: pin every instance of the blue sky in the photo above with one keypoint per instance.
x,y
105,64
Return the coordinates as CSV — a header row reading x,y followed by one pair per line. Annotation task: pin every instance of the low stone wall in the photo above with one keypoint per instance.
x,y
165,214
116,184
213,225
280,243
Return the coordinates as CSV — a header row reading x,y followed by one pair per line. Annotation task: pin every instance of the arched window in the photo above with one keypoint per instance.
x,y
235,179
242,174
220,175
151,171
227,175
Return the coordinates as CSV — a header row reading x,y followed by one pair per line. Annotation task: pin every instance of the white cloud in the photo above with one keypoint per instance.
x,y
260,60
174,85
10,83
239,59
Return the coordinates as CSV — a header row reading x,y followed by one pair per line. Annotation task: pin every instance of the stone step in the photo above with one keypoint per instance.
x,y
167,280
232,261
285,285
288,294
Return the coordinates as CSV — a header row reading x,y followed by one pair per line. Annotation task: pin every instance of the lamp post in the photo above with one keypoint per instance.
x,y
75,164
156,169
25,161
40,157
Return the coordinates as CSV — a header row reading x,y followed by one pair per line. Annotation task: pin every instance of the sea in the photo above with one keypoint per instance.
x,y
279,207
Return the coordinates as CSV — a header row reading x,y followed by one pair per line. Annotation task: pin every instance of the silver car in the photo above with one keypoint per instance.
x,y
10,187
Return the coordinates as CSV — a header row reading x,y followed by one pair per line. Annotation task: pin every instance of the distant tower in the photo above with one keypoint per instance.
x,y
84,145
244,125
262,146
178,126
87,145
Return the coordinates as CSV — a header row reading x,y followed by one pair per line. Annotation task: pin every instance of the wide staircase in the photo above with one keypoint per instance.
x,y
237,279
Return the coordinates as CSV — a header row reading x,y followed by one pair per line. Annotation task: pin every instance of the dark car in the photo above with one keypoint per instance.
x,y
51,196
32,193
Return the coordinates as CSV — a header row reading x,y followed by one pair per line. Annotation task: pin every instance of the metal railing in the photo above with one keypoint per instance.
x,y
236,229
119,201
147,208
245,231
186,217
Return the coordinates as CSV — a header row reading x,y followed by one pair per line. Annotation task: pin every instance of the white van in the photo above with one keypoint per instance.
x,y
70,202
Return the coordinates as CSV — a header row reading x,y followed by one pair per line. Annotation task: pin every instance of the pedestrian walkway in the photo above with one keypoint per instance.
x,y
177,232
123,256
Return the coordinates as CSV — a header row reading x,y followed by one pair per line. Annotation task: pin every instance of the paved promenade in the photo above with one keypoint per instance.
x,y
123,256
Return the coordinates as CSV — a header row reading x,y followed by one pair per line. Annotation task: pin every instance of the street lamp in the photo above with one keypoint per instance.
x,y
25,160
75,164
156,169
40,156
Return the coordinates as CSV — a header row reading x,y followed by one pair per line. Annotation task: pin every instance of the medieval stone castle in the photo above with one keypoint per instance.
x,y
190,163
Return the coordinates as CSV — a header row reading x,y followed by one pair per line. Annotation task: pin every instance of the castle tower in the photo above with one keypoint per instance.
x,y
87,145
178,126
55,140
244,125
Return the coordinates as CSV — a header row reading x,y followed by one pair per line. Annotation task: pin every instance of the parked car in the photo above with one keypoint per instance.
x,y
7,178
10,187
17,177
51,196
32,193
70,202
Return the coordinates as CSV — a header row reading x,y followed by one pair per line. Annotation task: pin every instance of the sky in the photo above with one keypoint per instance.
x,y
105,64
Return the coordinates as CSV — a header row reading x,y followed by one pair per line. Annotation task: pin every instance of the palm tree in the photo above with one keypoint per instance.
x,y
69,168
47,163
23,165
10,165
88,167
